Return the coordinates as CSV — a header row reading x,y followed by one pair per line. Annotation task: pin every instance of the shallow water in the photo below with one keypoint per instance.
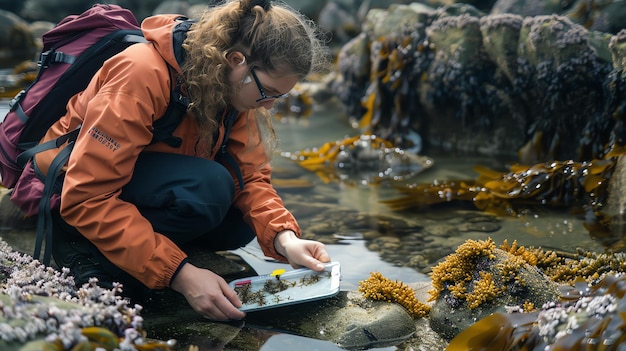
x,y
544,227
550,228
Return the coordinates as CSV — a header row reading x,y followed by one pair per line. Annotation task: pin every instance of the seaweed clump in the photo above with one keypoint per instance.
x,y
457,271
560,294
581,186
377,287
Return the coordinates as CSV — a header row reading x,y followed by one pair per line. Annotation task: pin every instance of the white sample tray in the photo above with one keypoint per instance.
x,y
281,288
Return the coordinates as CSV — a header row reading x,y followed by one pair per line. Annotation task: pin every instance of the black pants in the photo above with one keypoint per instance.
x,y
186,198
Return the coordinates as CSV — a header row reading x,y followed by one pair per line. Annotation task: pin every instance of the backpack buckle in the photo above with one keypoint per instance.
x,y
44,59
16,99
48,57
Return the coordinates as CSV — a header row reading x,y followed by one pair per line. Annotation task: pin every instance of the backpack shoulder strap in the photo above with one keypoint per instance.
x,y
165,126
224,155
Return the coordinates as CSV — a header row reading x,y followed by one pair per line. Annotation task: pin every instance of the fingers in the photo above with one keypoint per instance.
x,y
313,256
220,308
231,295
225,310
322,255
208,294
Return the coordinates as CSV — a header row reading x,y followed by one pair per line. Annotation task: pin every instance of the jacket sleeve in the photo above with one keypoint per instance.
x,y
261,206
119,107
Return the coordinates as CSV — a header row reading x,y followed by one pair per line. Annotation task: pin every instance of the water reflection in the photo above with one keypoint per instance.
x,y
550,228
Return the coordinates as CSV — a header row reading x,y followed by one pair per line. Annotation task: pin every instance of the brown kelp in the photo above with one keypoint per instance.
x,y
580,186
555,183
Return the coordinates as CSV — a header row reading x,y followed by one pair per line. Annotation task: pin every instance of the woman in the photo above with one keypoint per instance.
x,y
128,206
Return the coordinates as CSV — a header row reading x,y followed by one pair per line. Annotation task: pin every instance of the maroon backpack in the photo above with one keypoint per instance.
x,y
73,51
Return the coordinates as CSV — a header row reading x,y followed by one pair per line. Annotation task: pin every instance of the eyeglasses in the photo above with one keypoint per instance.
x,y
262,91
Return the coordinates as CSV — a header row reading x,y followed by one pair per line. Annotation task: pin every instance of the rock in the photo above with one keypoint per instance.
x,y
51,10
347,320
498,32
615,208
605,16
17,43
383,324
171,6
38,28
11,217
617,45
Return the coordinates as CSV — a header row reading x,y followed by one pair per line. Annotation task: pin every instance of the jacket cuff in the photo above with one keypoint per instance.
x,y
180,266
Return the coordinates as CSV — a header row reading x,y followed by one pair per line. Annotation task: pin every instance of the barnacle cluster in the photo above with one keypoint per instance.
x,y
41,305
378,287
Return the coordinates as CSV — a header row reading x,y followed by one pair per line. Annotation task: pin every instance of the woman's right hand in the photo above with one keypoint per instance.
x,y
207,293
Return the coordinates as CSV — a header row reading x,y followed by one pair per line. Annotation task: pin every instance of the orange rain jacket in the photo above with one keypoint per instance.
x,y
116,112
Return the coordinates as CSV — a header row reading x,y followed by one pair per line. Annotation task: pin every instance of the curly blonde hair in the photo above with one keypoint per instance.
x,y
273,36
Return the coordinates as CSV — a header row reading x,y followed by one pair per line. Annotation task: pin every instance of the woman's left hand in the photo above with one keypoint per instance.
x,y
300,252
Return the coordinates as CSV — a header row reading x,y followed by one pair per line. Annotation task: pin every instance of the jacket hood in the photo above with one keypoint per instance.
x,y
158,29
